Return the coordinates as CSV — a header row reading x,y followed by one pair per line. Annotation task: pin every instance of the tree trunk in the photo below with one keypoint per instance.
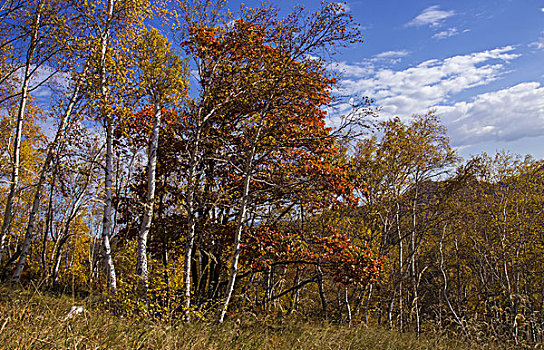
x,y
445,283
296,292
401,273
415,279
46,231
348,307
106,223
240,224
19,127
57,259
141,268
237,240
322,292
37,195
191,224
367,304
108,181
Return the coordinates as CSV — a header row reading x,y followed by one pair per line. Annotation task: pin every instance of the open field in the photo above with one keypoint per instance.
x,y
33,320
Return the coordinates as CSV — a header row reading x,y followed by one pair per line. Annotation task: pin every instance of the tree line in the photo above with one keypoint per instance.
x,y
177,156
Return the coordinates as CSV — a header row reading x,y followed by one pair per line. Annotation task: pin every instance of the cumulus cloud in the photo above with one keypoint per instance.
x,y
431,16
430,83
504,115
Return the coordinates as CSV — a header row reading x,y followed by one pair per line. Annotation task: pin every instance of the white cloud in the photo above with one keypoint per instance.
x,y
392,54
352,70
415,89
431,16
45,80
367,66
539,44
542,9
505,115
446,33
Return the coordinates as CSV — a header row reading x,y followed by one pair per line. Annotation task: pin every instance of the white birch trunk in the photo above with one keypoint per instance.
x,y
190,241
401,272
107,220
415,281
19,128
37,194
108,181
348,307
240,225
191,223
141,268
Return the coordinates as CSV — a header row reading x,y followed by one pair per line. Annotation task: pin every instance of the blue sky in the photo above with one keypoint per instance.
x,y
480,64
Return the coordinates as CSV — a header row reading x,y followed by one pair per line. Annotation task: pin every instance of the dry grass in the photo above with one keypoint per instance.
x,y
31,320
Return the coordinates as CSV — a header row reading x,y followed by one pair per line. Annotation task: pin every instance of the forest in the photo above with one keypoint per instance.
x,y
185,162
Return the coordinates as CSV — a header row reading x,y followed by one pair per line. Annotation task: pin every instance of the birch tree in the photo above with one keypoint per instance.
x,y
32,31
163,78
114,25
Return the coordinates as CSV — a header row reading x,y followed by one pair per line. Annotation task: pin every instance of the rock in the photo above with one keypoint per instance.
x,y
74,311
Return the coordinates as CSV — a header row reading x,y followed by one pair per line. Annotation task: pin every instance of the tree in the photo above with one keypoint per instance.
x,y
31,155
397,169
114,25
259,68
34,39
163,77
491,247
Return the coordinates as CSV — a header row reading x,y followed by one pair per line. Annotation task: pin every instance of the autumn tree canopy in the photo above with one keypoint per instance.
x,y
171,182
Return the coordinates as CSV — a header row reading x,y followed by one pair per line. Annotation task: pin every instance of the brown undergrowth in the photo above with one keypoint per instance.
x,y
31,319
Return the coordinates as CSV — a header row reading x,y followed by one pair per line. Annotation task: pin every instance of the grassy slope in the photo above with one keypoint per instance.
x,y
36,321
